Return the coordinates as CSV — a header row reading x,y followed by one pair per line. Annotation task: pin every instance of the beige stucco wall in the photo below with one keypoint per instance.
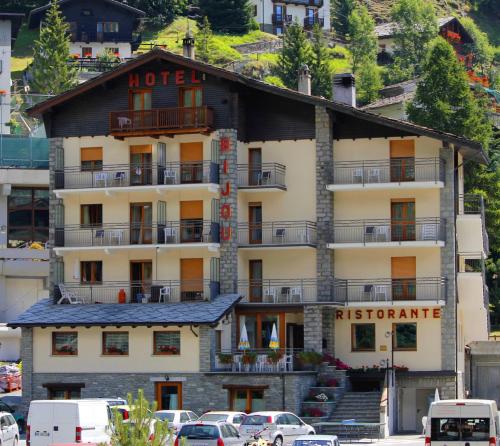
x,y
469,234
98,48
470,297
139,360
428,354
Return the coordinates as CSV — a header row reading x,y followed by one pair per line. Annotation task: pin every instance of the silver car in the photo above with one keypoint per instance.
x,y
209,433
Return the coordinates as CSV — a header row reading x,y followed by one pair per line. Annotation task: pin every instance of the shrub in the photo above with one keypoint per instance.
x,y
249,358
225,358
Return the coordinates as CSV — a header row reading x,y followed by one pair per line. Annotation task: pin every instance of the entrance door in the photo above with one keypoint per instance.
x,y
254,167
191,279
403,220
141,277
191,221
191,162
169,396
141,223
191,98
402,160
255,274
408,409
403,273
424,399
141,165
255,223
294,336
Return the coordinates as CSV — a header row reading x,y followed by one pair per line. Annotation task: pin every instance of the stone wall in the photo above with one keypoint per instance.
x,y
313,328
444,383
27,358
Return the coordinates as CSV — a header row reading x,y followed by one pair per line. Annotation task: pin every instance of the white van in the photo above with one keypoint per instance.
x,y
68,421
462,423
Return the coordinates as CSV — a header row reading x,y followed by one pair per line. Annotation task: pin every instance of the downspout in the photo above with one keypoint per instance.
x,y
455,201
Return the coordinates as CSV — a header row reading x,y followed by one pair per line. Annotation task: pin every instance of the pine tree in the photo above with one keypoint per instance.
x,y
340,10
362,38
444,100
51,72
231,16
204,41
321,73
368,82
161,12
295,53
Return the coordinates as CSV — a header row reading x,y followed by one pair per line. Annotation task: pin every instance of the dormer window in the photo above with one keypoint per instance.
x,y
107,27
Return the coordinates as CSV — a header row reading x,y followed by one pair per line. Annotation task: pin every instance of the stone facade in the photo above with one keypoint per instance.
x,y
313,328
446,384
207,346
27,357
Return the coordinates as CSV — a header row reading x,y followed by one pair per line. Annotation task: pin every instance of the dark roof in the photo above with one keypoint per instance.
x,y
384,102
36,14
16,20
47,314
476,150
388,29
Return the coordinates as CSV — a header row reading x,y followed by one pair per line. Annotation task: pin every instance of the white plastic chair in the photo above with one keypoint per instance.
x,y
261,364
270,293
102,177
382,233
374,175
357,175
116,236
119,177
170,233
266,177
296,294
164,294
169,176
68,296
237,363
381,291
279,235
429,231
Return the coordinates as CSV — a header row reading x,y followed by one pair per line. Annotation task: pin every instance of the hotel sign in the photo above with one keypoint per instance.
x,y
225,210
389,313
178,77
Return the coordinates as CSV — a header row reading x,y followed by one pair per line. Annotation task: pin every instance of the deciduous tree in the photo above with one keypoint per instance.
x,y
204,41
231,16
340,10
321,74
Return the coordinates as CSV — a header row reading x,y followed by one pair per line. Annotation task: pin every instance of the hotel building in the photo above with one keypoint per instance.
x,y
188,202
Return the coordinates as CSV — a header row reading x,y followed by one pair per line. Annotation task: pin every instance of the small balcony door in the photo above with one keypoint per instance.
x,y
255,274
403,273
191,221
141,276
402,160
141,165
279,12
255,223
191,279
140,102
141,223
169,396
254,167
403,220
191,162
190,99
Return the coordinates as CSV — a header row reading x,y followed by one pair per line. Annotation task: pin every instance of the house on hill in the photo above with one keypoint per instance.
x,y
97,25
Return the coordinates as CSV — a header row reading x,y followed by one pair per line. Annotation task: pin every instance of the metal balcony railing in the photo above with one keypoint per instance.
x,y
382,231
400,170
158,291
281,19
157,119
277,233
309,22
126,175
18,152
389,290
278,291
317,3
262,176
473,204
127,234
262,360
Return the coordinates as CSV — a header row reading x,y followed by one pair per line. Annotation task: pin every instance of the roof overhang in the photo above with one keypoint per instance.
x,y
16,20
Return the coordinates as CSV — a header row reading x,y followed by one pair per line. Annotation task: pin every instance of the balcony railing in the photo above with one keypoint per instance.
x,y
257,361
160,120
383,231
94,36
95,64
158,291
127,175
398,170
473,204
17,152
127,234
277,233
317,3
278,291
431,289
263,176
281,19
309,22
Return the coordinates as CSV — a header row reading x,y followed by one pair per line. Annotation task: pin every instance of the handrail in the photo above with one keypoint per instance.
x,y
277,233
261,175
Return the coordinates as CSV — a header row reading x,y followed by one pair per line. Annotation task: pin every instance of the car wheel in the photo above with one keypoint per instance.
x,y
278,441
311,433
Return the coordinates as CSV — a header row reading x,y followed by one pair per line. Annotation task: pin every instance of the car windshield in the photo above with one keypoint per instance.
x,y
165,416
460,429
199,431
312,443
255,420
213,417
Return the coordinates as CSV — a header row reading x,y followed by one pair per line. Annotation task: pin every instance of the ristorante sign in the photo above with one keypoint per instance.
x,y
389,313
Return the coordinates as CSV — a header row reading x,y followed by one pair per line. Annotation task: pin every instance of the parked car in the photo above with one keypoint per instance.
x,y
316,440
209,433
9,432
279,428
11,405
235,418
68,421
176,418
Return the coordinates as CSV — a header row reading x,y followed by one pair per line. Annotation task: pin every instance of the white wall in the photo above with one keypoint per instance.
x,y
5,54
124,48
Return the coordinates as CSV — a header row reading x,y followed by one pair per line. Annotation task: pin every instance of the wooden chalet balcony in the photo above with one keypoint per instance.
x,y
309,22
161,121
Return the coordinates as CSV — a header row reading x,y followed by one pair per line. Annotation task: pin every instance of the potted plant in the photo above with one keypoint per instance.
x,y
309,360
225,358
274,357
249,359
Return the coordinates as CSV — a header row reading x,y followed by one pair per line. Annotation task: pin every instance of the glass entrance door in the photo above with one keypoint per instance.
x,y
141,276
255,223
141,223
141,165
169,396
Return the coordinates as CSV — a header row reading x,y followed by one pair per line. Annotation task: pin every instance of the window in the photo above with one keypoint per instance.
x,y
28,217
405,336
460,429
87,51
91,214
115,343
91,272
254,10
167,343
87,12
139,100
63,392
363,337
64,343
278,30
115,51
218,340
246,400
107,27
91,158
184,417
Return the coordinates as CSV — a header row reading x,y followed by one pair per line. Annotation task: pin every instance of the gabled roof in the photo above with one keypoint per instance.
x,y
385,30
47,314
16,20
36,14
160,54
390,100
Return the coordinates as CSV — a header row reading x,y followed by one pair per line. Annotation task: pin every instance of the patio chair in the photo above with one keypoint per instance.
x,y
237,363
370,232
374,175
296,294
164,294
101,177
119,178
266,177
382,292
116,236
261,365
169,176
68,296
270,294
279,235
170,235
368,292
382,233
99,235
285,294
429,231
357,175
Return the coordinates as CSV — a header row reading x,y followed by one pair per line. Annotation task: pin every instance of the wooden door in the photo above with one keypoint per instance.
x,y
254,166
141,165
402,160
255,223
169,396
190,101
403,220
255,274
140,108
192,162
191,279
191,221
403,273
141,223
141,276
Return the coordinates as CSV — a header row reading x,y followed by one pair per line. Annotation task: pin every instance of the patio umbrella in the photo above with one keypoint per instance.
x,y
244,344
436,395
274,342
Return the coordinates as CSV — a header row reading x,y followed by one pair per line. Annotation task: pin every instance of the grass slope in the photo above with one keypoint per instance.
x,y
22,53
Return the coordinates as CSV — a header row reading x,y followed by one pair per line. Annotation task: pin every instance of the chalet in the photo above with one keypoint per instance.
x,y
97,25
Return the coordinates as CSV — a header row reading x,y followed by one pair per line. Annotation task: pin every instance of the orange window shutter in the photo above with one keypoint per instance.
x,y
402,148
191,210
191,274
191,151
145,148
403,267
91,153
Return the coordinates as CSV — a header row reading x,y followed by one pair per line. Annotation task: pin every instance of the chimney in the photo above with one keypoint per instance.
x,y
344,89
304,80
188,46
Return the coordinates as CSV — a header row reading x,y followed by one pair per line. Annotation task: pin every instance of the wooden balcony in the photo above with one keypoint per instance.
x,y
161,121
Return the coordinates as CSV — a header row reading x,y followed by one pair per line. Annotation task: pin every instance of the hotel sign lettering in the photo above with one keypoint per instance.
x,y
389,313
177,77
